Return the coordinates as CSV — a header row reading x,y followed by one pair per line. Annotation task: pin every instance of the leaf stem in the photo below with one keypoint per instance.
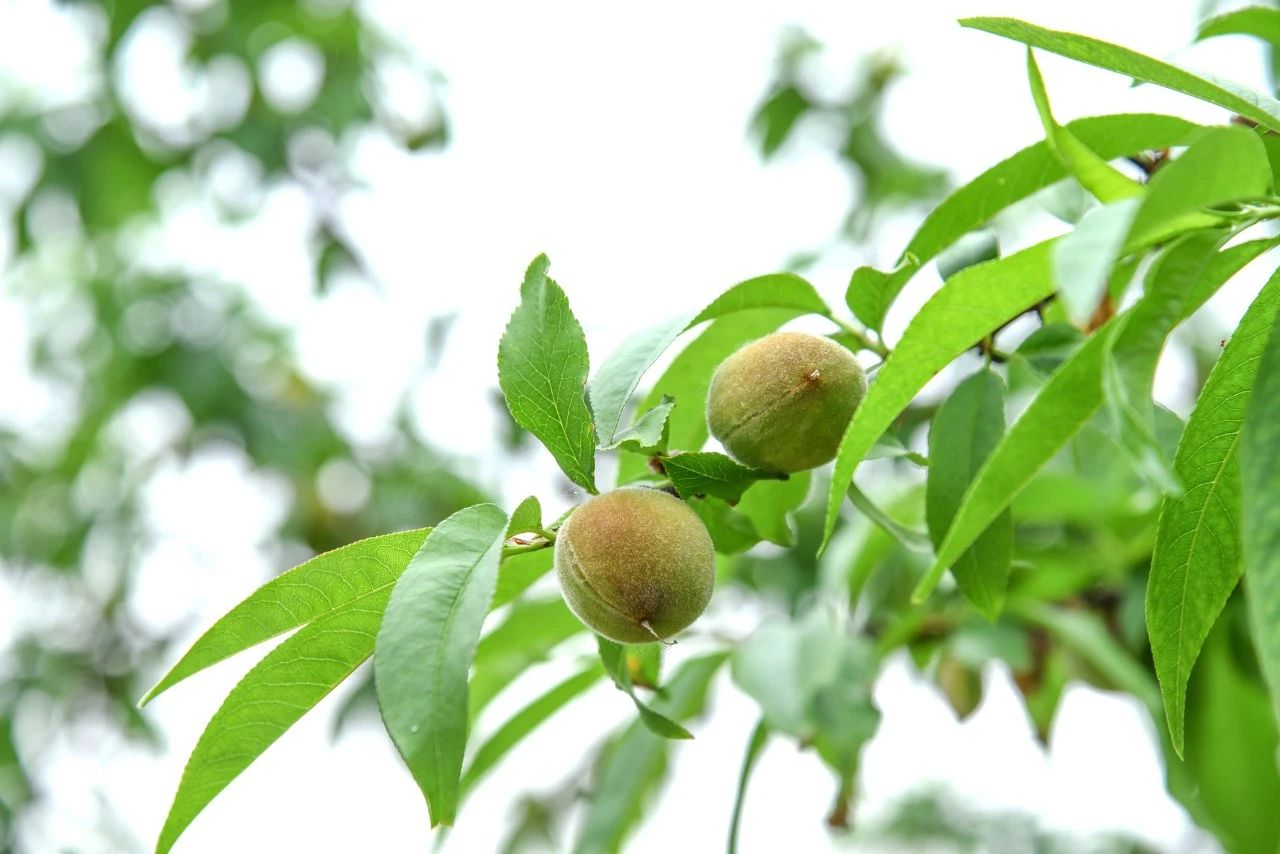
x,y
861,338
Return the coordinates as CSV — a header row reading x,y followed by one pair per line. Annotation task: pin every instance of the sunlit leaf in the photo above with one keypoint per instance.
x,y
871,292
1197,559
971,305
1069,399
309,591
1238,99
279,690
542,369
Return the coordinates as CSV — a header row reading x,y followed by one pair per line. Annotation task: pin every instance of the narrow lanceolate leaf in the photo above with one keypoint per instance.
x,y
614,659
311,590
283,687
1104,181
971,305
688,378
1261,108
755,746
425,648
633,765
1258,21
964,432
619,375
542,369
907,537
1067,400
872,292
1197,559
518,573
525,721
1260,532
709,473
527,636
1130,361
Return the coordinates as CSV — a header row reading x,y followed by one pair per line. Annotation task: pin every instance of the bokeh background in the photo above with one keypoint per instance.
x,y
254,264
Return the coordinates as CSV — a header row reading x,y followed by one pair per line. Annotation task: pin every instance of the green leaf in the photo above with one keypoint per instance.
x,y
1130,361
648,435
1258,21
777,116
1086,634
1069,399
909,538
968,307
425,648
1221,165
732,531
528,634
784,664
1261,108
871,292
614,658
279,690
770,504
518,573
636,762
688,378
309,591
708,473
526,518
618,377
1105,182
965,430
974,248
755,746
525,721
1197,560
1260,491
542,369
1084,259
1231,746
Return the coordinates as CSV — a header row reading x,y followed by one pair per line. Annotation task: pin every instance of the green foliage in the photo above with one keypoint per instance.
x,y
965,430
1064,569
1197,561
426,644
1260,529
542,368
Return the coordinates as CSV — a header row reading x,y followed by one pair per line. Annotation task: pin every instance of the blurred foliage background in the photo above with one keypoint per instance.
x,y
120,339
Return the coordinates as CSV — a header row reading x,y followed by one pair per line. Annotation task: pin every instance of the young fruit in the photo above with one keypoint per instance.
x,y
782,403
636,564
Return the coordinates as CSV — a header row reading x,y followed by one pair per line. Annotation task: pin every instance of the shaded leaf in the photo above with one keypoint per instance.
x,y
770,504
965,430
425,648
755,746
614,658
648,435
709,473
528,634
525,721
910,538
1260,491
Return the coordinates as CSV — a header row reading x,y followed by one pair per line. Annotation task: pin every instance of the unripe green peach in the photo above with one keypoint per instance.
x,y
782,403
636,564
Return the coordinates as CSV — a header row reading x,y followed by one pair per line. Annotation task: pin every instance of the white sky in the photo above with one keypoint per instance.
x,y
612,138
